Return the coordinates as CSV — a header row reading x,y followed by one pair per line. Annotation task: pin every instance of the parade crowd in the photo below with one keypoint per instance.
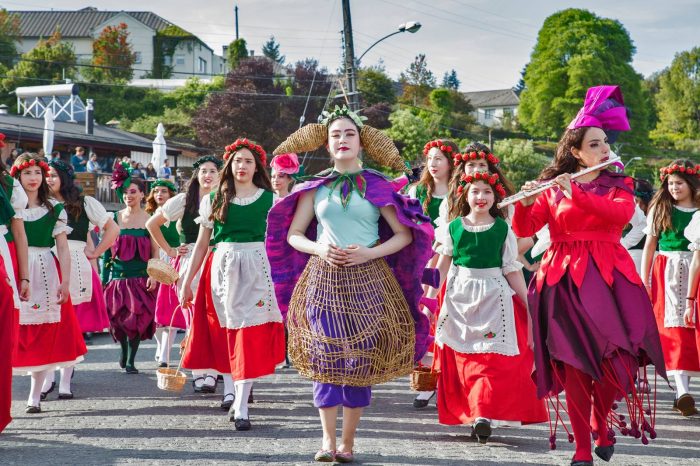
x,y
550,309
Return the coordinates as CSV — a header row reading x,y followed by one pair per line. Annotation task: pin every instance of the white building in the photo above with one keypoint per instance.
x,y
492,107
191,57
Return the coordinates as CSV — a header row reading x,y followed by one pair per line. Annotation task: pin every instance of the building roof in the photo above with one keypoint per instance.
x,y
497,98
17,128
78,23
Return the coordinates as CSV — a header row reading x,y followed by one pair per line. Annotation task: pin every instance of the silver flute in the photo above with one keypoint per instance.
x,y
548,184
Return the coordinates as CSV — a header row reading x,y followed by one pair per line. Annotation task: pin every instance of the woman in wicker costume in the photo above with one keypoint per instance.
x,y
49,332
130,293
482,332
236,327
181,211
86,291
353,254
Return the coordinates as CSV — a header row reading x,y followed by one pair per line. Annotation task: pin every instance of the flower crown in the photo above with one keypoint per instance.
x,y
675,168
17,169
473,155
439,144
59,164
338,112
208,158
239,143
164,183
486,177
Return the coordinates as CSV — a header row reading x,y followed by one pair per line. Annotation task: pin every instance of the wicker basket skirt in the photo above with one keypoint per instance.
x,y
350,325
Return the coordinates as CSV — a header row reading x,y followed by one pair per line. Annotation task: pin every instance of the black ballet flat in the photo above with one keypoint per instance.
x,y
482,430
46,393
242,424
419,403
131,370
33,409
65,396
605,453
227,401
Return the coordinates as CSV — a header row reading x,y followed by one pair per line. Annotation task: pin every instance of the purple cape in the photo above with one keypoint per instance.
x,y
287,263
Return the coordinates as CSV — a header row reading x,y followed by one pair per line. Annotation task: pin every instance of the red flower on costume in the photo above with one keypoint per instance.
x,y
285,163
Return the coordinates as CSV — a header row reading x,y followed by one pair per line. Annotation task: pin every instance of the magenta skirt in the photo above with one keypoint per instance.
x,y
131,308
168,311
92,316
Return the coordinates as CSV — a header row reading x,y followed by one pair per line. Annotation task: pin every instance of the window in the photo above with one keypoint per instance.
x,y
202,65
179,60
507,112
489,113
167,60
137,57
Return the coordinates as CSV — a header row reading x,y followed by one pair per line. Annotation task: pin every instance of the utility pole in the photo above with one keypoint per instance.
x,y
235,9
350,72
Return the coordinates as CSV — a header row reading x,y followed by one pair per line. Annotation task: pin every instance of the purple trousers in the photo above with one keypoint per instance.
x,y
327,395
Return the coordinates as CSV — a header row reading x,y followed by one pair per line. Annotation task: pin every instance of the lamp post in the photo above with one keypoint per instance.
x,y
350,63
629,162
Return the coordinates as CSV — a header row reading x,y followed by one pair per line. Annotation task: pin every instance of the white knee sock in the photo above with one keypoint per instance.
x,y
166,343
228,384
158,337
48,380
197,375
240,404
64,385
35,390
682,384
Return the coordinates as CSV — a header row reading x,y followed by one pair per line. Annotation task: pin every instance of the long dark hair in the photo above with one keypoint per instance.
x,y
44,193
564,160
427,180
227,186
192,193
70,193
461,208
644,191
663,202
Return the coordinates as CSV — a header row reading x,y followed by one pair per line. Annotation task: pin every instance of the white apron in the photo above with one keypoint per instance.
x,y
80,273
9,267
675,286
42,307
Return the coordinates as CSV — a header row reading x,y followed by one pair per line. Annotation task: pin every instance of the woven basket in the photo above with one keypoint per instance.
x,y
173,380
162,272
381,148
424,379
306,139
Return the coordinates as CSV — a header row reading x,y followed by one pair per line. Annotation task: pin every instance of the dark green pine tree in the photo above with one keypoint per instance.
x,y
450,80
271,49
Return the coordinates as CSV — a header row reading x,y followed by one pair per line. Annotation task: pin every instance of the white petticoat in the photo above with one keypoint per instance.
x,y
675,286
80,273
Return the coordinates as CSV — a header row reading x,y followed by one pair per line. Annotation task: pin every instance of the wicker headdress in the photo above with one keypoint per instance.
x,y
377,145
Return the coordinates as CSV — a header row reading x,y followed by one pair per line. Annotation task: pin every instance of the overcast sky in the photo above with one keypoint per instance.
x,y
486,41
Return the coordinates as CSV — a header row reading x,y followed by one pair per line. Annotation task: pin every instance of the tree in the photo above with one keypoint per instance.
x,y
410,133
375,86
576,50
520,161
112,56
176,122
450,81
49,61
9,35
271,49
678,100
237,51
417,81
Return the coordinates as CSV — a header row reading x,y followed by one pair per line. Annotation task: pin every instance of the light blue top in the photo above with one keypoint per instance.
x,y
359,224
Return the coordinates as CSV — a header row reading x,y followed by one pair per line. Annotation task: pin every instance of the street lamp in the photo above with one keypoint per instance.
x,y
629,162
411,26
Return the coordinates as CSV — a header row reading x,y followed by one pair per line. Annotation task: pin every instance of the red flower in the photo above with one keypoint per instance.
x,y
465,156
460,189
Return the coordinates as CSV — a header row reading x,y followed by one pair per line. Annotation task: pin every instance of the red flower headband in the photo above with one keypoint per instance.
x,y
439,144
486,177
473,155
29,163
239,143
675,168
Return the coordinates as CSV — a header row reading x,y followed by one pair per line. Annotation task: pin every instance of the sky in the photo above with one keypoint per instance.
x,y
486,41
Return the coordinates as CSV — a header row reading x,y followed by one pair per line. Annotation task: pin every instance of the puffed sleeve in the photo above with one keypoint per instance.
x,y
542,243
510,254
636,234
61,225
19,199
205,213
413,192
650,230
174,208
692,232
96,212
441,225
443,240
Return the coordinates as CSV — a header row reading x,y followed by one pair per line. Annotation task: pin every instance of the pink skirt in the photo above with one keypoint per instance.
x,y
92,316
168,311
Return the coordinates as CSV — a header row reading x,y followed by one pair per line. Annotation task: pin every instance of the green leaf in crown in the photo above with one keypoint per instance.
x,y
328,117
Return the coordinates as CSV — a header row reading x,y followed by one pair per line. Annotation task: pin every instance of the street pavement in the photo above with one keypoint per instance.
x,y
117,418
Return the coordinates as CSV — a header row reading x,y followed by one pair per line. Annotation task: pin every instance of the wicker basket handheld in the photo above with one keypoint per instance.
x,y
173,380
424,379
162,272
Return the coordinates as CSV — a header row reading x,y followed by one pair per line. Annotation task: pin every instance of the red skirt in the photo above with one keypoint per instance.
x,y
8,335
489,385
680,345
245,353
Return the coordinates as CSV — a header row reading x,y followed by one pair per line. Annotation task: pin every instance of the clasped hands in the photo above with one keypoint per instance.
x,y
339,257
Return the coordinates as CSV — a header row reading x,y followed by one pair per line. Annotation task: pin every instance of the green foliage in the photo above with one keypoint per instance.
x,y
375,86
576,50
410,132
112,56
450,81
417,81
237,50
678,102
177,123
519,160
271,49
122,102
51,60
193,96
9,35
165,42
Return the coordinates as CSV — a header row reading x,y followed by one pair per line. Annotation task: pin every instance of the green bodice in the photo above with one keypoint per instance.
x,y
244,223
171,234
675,240
434,205
190,230
40,231
478,250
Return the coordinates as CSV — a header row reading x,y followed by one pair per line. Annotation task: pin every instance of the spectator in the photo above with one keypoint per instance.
x,y
135,170
41,153
55,155
151,171
92,165
78,160
165,171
